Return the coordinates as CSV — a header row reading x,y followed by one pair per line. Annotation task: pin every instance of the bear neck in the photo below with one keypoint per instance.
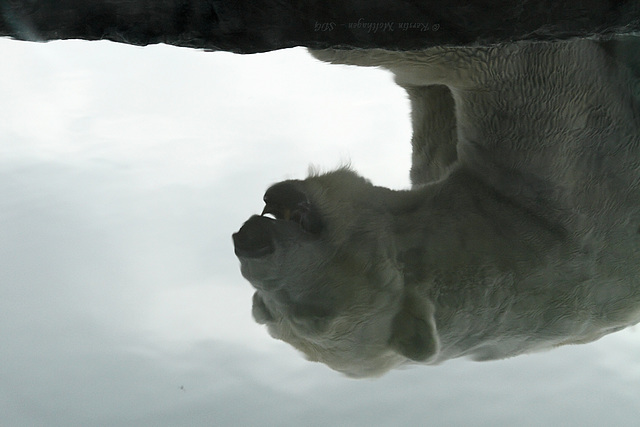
x,y
464,216
468,257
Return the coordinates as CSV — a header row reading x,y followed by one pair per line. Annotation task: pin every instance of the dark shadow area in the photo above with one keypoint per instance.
x,y
244,26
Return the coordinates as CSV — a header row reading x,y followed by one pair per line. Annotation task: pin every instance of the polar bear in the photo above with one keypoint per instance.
x,y
520,233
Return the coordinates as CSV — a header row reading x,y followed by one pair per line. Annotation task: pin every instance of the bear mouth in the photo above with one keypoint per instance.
x,y
288,215
285,201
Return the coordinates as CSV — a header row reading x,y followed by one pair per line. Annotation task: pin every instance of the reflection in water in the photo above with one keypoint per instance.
x,y
521,232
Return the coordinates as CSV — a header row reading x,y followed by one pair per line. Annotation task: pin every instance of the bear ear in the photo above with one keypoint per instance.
x,y
413,333
260,312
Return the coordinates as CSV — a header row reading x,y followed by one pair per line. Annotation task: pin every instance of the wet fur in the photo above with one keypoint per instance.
x,y
521,232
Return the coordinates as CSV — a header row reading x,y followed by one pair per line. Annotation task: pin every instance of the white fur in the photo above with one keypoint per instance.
x,y
522,231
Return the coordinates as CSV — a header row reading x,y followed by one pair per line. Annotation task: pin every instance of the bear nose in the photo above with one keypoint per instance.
x,y
254,240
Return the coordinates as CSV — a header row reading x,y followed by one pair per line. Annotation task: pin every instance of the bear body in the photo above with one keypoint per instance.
x,y
521,231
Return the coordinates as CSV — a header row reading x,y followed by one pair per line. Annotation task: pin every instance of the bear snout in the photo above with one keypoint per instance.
x,y
254,239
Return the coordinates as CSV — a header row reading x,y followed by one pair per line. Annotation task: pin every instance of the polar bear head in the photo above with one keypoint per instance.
x,y
326,279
